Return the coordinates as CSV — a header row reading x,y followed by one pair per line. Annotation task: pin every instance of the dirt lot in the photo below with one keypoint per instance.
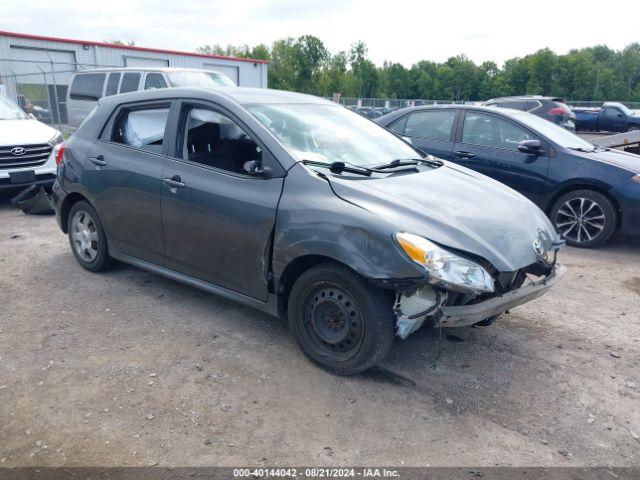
x,y
127,368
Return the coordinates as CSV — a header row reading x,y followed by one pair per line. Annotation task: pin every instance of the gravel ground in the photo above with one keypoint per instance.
x,y
127,368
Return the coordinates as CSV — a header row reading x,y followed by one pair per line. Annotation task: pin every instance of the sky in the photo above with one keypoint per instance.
x,y
403,31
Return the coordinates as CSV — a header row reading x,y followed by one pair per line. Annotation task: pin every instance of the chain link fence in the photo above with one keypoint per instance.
x,y
40,87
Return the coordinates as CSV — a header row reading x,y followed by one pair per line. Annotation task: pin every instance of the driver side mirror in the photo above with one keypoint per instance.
x,y
256,169
532,147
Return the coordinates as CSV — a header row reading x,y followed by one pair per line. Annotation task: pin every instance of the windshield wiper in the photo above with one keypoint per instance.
x,y
580,149
402,162
340,167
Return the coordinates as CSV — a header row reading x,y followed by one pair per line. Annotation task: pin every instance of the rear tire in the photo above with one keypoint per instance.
x,y
86,237
340,321
584,217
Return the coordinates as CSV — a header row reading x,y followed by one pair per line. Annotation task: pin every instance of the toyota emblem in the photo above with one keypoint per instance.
x,y
17,151
538,248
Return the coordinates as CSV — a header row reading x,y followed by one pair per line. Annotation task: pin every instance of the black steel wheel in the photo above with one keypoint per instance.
x,y
339,320
333,321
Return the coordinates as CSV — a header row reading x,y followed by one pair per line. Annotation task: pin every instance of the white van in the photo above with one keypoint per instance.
x,y
88,86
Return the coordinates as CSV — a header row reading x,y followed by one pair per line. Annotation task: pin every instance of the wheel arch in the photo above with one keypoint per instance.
x,y
69,201
293,270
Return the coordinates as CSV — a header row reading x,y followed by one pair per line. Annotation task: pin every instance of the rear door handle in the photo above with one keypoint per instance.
x,y
174,183
463,154
98,160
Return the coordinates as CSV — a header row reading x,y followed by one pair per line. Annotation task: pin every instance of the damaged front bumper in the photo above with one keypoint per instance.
x,y
466,315
431,303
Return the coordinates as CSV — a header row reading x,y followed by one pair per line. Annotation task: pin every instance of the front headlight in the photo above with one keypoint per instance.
x,y
56,140
444,267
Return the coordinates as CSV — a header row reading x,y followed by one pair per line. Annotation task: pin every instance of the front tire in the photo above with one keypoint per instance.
x,y
86,237
340,321
585,218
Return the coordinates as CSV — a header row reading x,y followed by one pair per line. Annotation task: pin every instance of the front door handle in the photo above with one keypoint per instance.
x,y
98,160
174,183
463,154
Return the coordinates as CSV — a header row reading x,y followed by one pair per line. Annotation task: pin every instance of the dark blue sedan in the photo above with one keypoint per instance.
x,y
588,192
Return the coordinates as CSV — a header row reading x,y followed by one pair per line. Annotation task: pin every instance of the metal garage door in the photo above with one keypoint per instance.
x,y
145,62
36,60
229,70
42,78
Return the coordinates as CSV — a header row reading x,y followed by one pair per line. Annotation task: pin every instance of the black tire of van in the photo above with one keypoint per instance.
x,y
339,320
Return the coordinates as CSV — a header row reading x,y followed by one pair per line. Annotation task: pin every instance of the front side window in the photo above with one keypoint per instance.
x,y
213,139
433,124
87,86
331,133
611,112
112,84
141,128
492,131
153,81
130,81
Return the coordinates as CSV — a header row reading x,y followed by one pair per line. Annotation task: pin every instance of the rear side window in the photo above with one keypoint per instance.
x,y
611,112
130,81
154,80
87,86
112,84
516,105
433,124
141,128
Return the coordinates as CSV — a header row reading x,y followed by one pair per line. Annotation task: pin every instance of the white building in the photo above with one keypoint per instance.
x,y
39,68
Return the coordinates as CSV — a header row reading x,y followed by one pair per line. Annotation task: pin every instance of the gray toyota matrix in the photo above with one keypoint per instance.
x,y
303,209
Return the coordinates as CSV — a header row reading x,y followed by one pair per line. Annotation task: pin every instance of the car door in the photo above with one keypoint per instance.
x,y
218,220
123,174
429,130
488,143
613,120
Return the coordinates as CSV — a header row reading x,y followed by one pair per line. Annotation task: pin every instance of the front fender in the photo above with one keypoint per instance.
x,y
312,220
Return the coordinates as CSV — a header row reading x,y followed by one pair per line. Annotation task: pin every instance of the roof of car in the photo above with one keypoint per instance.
x,y
241,95
389,117
527,97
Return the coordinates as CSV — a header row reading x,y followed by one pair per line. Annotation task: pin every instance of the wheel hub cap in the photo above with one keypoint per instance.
x,y
580,220
84,236
333,321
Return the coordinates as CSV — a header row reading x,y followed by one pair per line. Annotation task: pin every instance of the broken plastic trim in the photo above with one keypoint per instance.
x,y
34,200
406,323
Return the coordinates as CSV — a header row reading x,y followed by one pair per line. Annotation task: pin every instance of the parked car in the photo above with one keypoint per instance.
x,y
28,148
368,112
301,208
88,86
612,117
587,191
553,109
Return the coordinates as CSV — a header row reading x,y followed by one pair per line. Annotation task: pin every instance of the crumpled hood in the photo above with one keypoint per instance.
x,y
25,132
458,208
